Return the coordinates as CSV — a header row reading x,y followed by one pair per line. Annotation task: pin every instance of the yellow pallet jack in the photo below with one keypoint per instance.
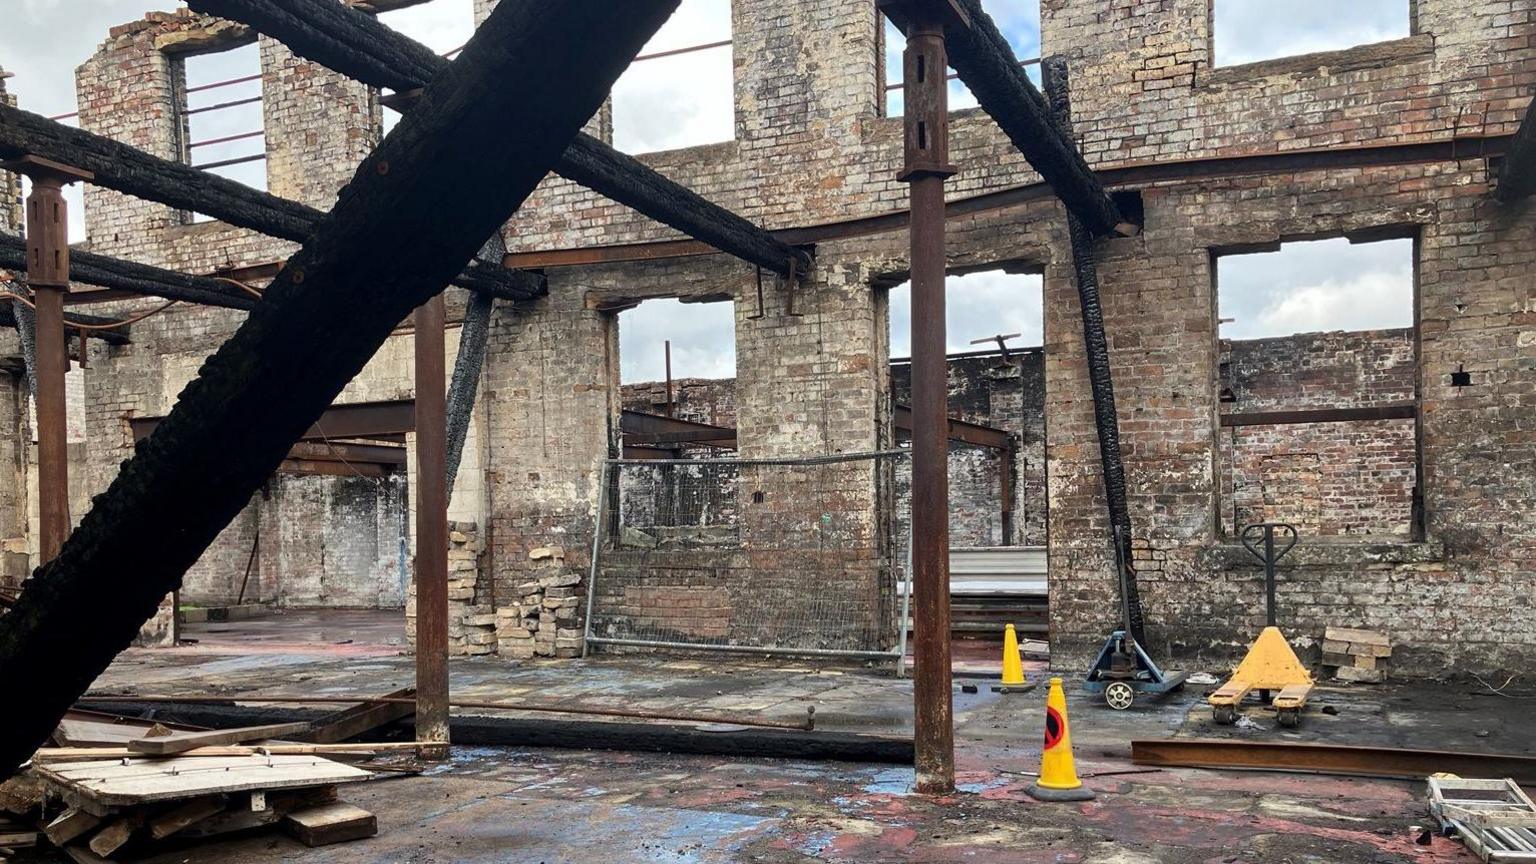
x,y
1271,665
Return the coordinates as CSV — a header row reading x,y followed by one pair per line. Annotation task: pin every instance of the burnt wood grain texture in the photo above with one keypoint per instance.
x,y
134,172
115,336
359,46
106,272
455,169
986,63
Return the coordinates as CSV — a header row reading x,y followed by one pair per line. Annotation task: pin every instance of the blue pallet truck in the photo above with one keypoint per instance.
x,y
1123,668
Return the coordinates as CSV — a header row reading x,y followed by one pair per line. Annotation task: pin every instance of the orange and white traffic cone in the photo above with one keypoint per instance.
x,y
1058,774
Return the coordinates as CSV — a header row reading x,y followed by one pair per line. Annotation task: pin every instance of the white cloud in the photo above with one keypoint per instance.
x,y
685,99
977,306
1317,286
1249,30
703,340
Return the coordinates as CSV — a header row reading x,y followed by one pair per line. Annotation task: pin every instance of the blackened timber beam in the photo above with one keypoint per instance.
x,y
116,336
475,140
361,47
474,338
1517,179
987,65
133,172
1106,418
106,272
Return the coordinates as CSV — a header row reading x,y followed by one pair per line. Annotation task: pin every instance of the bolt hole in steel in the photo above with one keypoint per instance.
x,y
1119,695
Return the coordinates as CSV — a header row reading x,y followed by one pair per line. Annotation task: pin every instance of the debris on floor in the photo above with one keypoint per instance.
x,y
1494,818
1356,655
115,783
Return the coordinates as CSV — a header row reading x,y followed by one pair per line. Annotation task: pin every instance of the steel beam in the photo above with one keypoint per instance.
x,y
47,217
1124,176
431,591
925,170
981,55
1330,759
1517,178
1395,411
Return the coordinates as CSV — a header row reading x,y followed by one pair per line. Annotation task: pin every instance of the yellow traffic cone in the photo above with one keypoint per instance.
x,y
1013,666
1058,775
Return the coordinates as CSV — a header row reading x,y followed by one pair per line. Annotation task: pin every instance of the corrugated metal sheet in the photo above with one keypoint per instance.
x,y
992,570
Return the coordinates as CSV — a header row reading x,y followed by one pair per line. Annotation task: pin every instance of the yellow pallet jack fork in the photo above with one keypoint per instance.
x,y
1270,665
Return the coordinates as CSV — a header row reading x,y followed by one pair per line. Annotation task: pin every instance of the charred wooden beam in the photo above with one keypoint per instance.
x,y
359,46
1101,384
986,63
386,247
117,336
134,172
474,339
107,272
1517,179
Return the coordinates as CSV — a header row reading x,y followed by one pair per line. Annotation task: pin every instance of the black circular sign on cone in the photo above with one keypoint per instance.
x,y
1054,727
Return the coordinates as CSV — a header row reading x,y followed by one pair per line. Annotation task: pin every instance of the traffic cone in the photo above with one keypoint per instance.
x,y
1058,775
1013,666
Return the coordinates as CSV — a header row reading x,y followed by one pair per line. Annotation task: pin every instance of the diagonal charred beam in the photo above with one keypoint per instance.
x,y
103,271
1517,179
359,46
1101,383
134,172
474,338
986,63
387,247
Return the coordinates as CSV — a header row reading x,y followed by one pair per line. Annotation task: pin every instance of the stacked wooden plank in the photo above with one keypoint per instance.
x,y
1356,655
125,783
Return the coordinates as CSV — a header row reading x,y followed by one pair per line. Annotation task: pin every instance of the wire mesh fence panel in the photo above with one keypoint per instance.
x,y
761,555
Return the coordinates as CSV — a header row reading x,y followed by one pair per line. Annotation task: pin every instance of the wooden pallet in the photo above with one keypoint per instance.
x,y
1494,818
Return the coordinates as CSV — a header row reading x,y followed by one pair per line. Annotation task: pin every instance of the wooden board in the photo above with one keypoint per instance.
x,y
115,834
138,781
330,823
70,824
83,855
179,742
358,719
190,813
86,728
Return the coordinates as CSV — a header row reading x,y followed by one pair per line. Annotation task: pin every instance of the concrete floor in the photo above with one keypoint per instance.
x,y
525,805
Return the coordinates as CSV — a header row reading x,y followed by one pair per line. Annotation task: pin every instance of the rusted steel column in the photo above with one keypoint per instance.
x,y
431,528
927,166
48,275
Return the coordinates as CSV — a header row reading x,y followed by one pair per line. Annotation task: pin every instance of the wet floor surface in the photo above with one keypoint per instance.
x,y
523,805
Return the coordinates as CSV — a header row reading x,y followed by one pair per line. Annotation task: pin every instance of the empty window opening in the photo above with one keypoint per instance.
x,y
1246,31
1318,387
995,325
444,26
680,91
678,394
1017,20
221,115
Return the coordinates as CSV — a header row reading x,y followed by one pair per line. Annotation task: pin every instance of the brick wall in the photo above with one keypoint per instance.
x,y
1328,479
812,147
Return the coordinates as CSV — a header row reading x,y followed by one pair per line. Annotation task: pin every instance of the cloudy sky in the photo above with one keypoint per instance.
x,y
683,100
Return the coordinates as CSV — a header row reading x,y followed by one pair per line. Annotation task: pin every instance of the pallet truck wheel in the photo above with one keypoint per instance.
x,y
1225,715
1119,695
1290,718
